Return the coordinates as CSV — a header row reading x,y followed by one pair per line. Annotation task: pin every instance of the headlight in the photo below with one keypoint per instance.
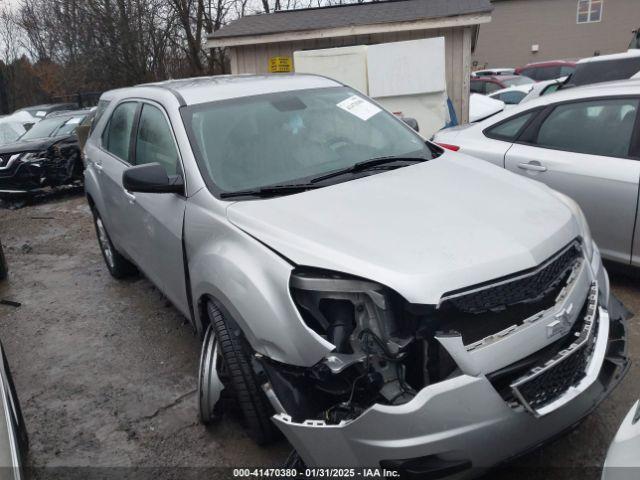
x,y
30,157
336,306
585,232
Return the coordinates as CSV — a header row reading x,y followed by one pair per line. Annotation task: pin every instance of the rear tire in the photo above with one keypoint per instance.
x,y
236,353
3,265
119,267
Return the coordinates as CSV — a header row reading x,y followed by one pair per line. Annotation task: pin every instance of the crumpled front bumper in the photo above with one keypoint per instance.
x,y
460,425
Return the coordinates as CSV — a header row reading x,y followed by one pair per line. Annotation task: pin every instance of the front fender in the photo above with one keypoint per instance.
x,y
249,282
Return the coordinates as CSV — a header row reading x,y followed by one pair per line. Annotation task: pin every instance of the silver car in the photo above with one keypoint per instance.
x,y
378,299
583,142
14,441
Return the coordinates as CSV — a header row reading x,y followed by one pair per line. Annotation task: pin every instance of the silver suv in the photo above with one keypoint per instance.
x,y
379,300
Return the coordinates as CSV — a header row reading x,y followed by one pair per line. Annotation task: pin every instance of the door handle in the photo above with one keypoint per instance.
x,y
130,196
533,166
98,165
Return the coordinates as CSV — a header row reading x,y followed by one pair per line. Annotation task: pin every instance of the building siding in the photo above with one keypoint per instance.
x,y
255,58
516,25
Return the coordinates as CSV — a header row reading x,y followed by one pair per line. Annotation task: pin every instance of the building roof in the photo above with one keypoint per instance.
x,y
349,16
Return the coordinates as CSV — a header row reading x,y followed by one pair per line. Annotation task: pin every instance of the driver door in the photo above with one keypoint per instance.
x,y
158,217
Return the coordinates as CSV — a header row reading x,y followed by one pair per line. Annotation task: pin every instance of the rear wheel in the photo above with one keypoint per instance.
x,y
3,265
237,356
119,267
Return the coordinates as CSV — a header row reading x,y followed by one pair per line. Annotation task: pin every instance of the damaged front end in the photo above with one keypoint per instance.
x,y
385,349
492,358
29,172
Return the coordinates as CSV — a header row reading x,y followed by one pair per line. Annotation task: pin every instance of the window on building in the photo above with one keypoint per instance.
x,y
589,11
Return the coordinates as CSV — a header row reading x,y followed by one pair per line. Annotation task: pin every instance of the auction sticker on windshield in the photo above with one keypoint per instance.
x,y
359,107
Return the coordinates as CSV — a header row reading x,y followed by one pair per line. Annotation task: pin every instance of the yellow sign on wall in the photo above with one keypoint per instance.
x,y
280,65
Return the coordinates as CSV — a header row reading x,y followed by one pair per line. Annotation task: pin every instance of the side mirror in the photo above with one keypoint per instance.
x,y
27,126
412,122
151,178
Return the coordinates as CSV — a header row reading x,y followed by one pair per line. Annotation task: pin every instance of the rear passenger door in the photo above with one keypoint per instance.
x,y
113,158
156,233
586,149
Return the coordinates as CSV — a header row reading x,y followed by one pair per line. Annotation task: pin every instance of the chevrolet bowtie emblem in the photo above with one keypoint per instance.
x,y
561,323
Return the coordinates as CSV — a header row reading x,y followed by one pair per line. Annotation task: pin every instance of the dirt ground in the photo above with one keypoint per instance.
x,y
106,370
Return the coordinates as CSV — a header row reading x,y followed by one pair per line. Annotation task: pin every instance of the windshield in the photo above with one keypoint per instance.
x,y
521,80
54,126
291,137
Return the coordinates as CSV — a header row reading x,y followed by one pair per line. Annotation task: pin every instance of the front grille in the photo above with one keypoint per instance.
x,y
545,383
524,288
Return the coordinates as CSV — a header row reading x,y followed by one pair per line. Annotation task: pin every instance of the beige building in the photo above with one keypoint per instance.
x,y
264,43
524,31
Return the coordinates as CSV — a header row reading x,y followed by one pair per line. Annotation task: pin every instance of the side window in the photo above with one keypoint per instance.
x,y
116,137
491,87
550,89
548,73
566,70
509,129
477,87
154,140
102,106
512,98
602,127
532,73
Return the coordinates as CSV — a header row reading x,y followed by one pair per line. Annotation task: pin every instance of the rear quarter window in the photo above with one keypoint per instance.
x,y
508,130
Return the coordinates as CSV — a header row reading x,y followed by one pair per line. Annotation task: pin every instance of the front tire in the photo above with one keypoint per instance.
x,y
119,267
236,354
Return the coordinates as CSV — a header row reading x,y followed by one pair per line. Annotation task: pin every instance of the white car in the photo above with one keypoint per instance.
x,y
513,95
544,88
623,457
583,142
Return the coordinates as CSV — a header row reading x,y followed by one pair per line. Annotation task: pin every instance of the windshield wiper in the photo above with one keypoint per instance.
x,y
366,165
270,191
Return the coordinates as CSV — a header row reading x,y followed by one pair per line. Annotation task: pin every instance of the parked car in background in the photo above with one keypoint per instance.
x,y
10,130
14,441
490,84
322,269
482,107
512,95
544,87
635,41
540,71
38,112
493,72
45,156
605,68
582,142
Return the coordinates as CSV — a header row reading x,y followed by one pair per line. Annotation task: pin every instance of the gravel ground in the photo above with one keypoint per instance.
x,y
106,370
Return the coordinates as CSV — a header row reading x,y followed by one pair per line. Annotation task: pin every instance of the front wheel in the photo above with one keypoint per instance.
x,y
236,355
119,267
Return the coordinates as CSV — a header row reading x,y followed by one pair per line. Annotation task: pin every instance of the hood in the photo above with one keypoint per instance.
x,y
28,146
421,230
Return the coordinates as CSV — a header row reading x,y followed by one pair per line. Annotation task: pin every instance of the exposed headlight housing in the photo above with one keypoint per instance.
x,y
330,302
